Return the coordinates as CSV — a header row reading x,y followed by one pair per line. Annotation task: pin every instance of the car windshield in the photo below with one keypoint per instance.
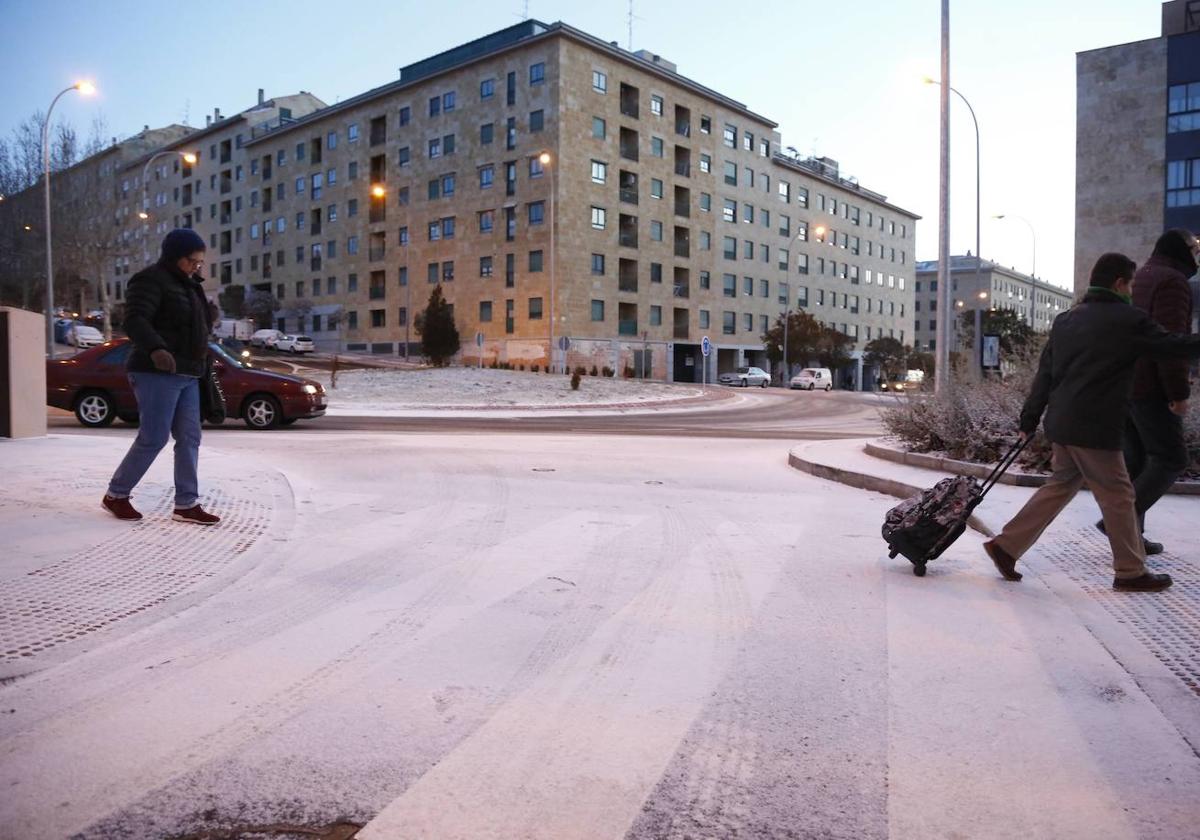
x,y
224,355
743,370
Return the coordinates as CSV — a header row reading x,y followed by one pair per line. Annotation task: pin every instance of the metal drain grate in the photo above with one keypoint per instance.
x,y
126,575
1167,623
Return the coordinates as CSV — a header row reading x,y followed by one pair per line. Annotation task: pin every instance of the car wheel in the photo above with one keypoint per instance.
x,y
828,388
262,412
812,386
95,409
762,384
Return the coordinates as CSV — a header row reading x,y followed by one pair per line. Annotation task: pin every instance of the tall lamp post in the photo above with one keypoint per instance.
x,y
1032,234
978,348
547,161
144,214
87,89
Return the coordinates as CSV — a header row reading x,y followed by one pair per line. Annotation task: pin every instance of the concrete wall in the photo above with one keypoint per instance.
x,y
22,373
1119,145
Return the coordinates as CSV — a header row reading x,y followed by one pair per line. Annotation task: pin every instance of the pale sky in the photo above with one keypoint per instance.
x,y
842,80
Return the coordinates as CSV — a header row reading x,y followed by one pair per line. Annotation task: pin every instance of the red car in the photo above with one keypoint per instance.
x,y
94,385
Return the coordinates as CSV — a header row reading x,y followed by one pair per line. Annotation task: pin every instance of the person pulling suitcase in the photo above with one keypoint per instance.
x,y
1083,386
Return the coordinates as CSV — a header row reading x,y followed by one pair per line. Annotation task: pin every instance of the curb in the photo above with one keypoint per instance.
x,y
712,396
1014,479
874,483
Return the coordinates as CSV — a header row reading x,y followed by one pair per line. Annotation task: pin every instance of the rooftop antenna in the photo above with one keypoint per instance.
x,y
632,18
187,110
525,10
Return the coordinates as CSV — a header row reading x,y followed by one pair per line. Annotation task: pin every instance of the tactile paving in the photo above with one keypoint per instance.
x,y
153,561
1167,623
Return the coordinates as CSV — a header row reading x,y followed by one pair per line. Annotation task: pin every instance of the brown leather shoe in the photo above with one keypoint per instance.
x,y
1006,564
195,515
1148,582
120,508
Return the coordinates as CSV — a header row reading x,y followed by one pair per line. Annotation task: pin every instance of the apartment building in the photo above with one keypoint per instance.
x,y
996,287
1137,160
537,173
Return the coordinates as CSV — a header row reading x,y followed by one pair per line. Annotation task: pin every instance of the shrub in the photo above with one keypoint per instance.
x,y
628,372
581,370
607,371
575,378
593,371
534,368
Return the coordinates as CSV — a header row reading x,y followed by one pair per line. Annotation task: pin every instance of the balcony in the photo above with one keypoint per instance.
x,y
627,276
629,100
314,228
681,287
376,253
315,263
683,121
683,242
628,182
377,293
627,231
627,327
681,323
629,144
683,161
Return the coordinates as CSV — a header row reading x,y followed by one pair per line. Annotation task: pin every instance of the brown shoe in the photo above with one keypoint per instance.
x,y
120,508
1006,564
196,515
1148,582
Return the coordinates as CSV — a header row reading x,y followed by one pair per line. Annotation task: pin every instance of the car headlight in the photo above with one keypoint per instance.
x,y
311,389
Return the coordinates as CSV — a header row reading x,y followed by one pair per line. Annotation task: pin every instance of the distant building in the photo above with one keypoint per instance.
x,y
1137,158
1035,300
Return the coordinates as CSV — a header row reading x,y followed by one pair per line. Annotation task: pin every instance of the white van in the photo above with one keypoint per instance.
x,y
813,379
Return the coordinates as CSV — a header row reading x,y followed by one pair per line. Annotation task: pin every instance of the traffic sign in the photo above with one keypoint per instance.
x,y
705,346
564,343
478,339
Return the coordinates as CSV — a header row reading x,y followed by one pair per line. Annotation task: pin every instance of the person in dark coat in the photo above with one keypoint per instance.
x,y
1083,385
1155,451
169,319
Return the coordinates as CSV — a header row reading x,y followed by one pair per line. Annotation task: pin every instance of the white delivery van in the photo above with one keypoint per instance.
x,y
813,379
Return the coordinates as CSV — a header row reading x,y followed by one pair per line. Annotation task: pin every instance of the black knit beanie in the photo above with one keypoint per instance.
x,y
180,243
1175,244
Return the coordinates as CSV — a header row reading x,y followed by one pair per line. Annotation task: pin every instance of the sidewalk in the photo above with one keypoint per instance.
x,y
72,577
1155,637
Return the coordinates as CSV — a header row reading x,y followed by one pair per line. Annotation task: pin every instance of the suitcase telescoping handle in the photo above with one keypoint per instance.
x,y
1007,461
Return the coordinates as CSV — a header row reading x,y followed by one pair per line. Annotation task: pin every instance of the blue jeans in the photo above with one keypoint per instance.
x,y
168,405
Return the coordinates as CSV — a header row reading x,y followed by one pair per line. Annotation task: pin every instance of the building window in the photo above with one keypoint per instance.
x,y
656,147
656,105
599,130
598,264
729,285
599,218
537,120
537,73
729,136
705,163
537,212
535,262
535,309
655,316
1183,108
704,319
485,266
656,188
730,171
599,81
599,172
485,311
487,175
487,88
597,310
352,133
1183,183
487,220
729,323
656,231
405,117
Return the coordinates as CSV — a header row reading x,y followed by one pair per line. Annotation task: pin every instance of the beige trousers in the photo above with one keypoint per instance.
x,y
1104,471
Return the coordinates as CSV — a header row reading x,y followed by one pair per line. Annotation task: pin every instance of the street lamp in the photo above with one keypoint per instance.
x,y
1032,234
545,159
978,348
87,89
188,158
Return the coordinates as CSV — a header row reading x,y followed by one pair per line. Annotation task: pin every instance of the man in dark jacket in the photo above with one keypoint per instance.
x,y
1155,452
1083,385
169,320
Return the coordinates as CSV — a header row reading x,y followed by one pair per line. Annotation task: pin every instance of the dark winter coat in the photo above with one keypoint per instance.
x,y
1085,376
1160,288
167,310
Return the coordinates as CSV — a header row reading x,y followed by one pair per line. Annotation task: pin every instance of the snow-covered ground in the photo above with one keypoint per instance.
x,y
549,638
383,391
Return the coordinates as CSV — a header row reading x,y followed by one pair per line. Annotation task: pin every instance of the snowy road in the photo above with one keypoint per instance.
x,y
538,636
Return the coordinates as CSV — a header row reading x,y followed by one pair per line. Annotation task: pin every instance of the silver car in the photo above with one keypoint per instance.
x,y
745,377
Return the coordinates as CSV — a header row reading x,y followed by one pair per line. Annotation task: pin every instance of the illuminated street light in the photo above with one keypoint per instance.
x,y
86,88
378,191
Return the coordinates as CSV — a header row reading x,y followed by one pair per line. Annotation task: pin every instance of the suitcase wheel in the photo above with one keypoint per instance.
x,y
919,569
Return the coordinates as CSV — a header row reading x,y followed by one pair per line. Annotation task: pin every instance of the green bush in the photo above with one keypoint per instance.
x,y
593,371
575,379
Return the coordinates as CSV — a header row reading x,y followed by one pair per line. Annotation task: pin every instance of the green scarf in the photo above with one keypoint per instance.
x,y
1127,298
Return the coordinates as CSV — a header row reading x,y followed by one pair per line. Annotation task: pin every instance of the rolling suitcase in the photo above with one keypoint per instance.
x,y
923,526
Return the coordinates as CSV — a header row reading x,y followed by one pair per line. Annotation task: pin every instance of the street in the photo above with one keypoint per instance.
x,y
546,635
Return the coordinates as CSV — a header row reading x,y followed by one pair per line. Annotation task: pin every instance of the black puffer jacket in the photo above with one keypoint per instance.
x,y
1161,289
1085,375
165,309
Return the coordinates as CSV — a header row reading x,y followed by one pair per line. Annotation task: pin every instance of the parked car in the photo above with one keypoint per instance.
x,y
94,385
745,377
81,336
813,379
910,381
295,344
265,338
61,326
237,348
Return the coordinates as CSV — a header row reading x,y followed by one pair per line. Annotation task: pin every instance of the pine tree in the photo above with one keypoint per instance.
x,y
439,336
